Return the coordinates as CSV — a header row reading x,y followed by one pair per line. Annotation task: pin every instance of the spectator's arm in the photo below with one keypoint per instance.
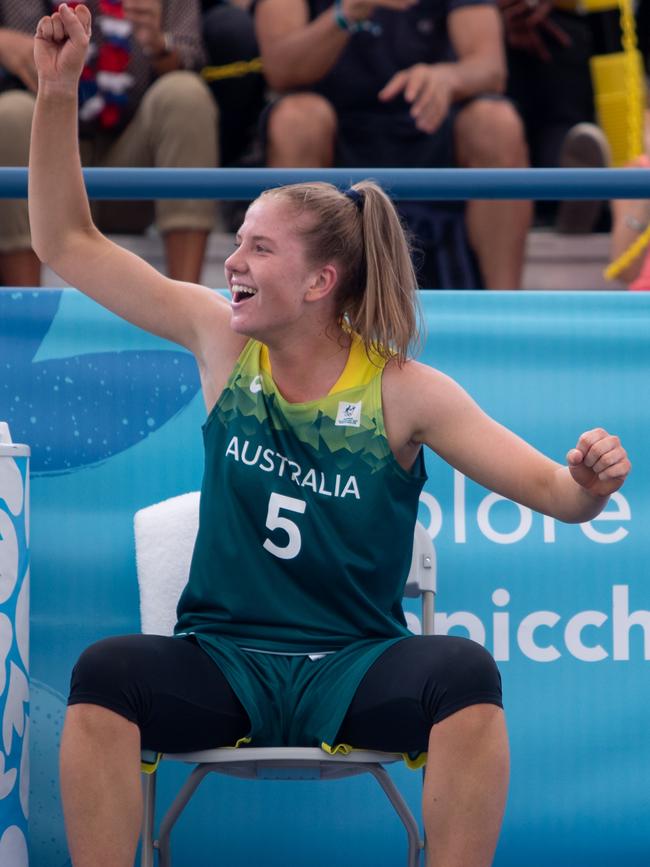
x,y
168,32
477,37
295,51
17,56
480,67
182,21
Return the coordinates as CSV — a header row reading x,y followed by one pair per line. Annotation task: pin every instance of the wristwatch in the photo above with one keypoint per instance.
x,y
167,48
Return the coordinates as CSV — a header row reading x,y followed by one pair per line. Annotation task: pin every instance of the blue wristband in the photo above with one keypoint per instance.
x,y
354,26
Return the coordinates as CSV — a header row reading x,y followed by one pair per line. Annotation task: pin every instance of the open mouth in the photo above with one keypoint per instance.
x,y
241,293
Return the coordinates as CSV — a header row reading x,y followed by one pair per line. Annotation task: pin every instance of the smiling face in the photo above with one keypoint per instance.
x,y
273,285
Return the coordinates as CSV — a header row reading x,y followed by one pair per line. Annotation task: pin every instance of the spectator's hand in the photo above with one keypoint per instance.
x,y
146,18
599,463
17,57
61,45
429,89
526,22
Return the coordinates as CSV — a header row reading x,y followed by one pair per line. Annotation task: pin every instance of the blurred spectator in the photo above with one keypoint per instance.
x,y
642,281
395,83
549,47
549,81
234,78
548,51
140,105
234,75
630,221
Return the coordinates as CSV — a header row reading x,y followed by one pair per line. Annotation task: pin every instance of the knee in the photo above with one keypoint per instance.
x,y
480,675
16,109
482,670
101,670
306,117
490,134
183,98
97,722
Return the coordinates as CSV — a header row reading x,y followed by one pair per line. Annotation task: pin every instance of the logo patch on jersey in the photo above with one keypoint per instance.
x,y
349,414
256,384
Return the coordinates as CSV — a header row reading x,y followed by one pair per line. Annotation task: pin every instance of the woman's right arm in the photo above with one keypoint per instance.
x,y
63,233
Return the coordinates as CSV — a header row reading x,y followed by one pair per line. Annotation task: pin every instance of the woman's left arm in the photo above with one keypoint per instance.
x,y
453,425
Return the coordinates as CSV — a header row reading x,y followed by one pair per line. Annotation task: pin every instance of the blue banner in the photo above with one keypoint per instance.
x,y
113,419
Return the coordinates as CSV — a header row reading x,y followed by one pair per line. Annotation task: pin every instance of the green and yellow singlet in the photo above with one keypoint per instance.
x,y
306,525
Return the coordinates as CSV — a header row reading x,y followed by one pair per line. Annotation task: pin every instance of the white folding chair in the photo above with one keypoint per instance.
x,y
164,540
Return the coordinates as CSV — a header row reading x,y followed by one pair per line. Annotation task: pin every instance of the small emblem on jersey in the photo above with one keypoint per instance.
x,y
256,384
349,414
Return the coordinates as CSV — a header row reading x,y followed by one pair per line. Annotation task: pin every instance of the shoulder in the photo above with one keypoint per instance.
x,y
414,375
415,396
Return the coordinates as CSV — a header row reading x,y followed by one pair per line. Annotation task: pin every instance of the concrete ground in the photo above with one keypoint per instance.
x,y
553,261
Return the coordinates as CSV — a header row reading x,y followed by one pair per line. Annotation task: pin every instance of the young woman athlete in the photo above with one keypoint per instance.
x,y
313,468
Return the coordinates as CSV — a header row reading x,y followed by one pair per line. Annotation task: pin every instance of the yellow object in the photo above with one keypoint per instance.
x,y
596,5
626,258
619,93
232,70
150,764
583,7
414,762
150,767
618,81
619,88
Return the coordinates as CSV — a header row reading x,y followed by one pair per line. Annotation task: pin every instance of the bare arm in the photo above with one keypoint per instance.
x,y
17,57
155,23
477,38
427,407
431,88
297,52
63,233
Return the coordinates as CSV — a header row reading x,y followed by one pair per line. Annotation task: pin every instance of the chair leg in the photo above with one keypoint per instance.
x,y
148,812
178,805
415,842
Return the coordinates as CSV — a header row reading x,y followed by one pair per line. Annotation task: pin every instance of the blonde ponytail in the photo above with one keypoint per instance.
x,y
362,233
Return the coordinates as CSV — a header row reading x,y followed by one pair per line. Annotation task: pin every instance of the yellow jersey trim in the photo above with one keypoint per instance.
x,y
360,368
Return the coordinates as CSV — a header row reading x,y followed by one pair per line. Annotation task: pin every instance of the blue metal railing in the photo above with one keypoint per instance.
x,y
424,184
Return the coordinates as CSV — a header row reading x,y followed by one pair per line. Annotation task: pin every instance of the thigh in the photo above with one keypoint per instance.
x,y
415,684
169,687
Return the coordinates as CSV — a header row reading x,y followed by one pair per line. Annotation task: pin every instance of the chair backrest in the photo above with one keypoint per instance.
x,y
164,540
423,571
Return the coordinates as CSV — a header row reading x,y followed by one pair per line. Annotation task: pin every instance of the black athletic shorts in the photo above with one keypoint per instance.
x,y
181,701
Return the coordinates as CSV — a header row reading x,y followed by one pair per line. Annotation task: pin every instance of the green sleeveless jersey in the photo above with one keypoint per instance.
x,y
306,518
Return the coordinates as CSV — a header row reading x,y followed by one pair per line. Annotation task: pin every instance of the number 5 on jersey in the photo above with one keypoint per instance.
x,y
276,521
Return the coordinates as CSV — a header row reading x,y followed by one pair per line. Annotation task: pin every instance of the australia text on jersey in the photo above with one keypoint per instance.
x,y
270,461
